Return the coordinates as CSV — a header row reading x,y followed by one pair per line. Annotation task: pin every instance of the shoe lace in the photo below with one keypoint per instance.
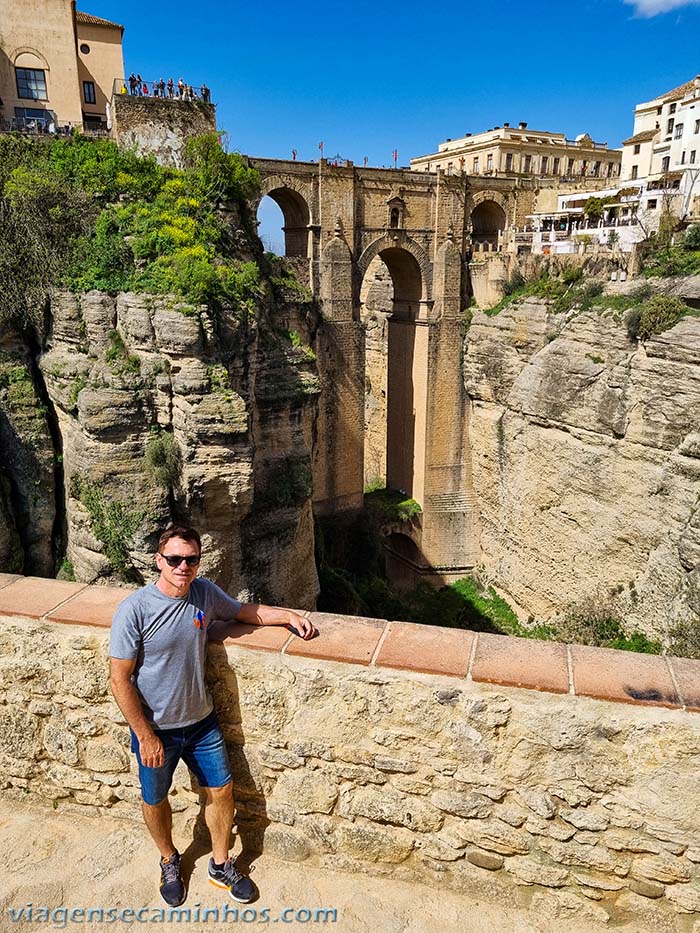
x,y
231,872
170,869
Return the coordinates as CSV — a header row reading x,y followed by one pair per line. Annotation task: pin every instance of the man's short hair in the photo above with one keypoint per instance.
x,y
184,532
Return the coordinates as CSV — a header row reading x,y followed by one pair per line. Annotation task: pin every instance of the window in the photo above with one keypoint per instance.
x,y
611,165
528,163
665,162
651,204
637,147
692,156
679,131
672,108
584,167
555,167
31,83
570,167
634,172
669,126
89,92
450,166
489,162
85,48
476,165
697,126
509,161
596,169
545,162
683,157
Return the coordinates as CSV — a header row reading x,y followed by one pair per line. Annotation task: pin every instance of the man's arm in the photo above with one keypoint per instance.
x,y
256,614
124,692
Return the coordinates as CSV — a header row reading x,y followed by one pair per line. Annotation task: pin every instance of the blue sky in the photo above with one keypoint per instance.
x,y
367,77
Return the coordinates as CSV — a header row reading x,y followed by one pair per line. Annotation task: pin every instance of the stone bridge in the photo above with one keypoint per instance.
x,y
340,223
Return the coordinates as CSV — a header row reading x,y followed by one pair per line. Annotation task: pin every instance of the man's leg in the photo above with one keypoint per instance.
x,y
218,815
159,820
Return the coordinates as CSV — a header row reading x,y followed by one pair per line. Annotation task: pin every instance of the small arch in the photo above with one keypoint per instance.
x,y
27,57
488,220
296,220
397,209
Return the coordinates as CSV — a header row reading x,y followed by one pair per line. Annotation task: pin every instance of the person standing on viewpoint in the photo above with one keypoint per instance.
x,y
158,646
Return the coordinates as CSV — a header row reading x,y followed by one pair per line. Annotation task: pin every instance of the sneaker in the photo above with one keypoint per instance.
x,y
240,886
172,887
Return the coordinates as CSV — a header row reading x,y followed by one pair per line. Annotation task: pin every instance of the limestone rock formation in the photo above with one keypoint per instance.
x,y
162,413
586,459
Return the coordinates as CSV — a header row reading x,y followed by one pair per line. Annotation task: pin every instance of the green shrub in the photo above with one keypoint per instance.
x,y
66,571
595,623
659,314
691,239
684,639
163,457
111,521
392,504
119,357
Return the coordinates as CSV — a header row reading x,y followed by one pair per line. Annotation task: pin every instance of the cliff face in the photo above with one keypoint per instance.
x,y
163,413
586,449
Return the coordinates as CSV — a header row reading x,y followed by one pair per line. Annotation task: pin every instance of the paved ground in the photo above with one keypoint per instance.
x,y
58,860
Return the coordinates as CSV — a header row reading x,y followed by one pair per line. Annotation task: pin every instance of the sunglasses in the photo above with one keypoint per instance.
x,y
174,560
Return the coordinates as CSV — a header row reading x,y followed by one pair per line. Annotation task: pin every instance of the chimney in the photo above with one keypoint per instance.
x,y
522,126
468,134
496,127
506,125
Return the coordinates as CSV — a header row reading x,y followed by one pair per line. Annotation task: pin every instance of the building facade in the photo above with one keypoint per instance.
x,y
57,65
511,151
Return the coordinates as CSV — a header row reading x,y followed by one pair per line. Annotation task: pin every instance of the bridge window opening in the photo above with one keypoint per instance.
x,y
271,226
395,373
283,218
488,220
394,217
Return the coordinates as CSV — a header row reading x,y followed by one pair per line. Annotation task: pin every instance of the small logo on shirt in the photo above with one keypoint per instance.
x,y
199,620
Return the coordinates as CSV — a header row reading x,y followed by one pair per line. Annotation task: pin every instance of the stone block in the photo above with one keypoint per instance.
x,y
485,860
287,843
60,743
685,896
307,792
665,868
105,754
648,888
367,841
469,806
390,806
19,733
494,836
530,871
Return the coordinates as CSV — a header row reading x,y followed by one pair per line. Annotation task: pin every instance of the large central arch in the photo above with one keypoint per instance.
x,y
406,359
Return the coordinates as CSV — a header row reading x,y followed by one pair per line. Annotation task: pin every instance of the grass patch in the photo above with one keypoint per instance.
x,y
111,521
163,459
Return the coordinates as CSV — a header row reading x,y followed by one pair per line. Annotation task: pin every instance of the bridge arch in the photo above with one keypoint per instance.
x,y
488,220
412,279
396,373
294,200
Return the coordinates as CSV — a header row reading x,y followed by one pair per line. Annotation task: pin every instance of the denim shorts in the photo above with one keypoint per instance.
x,y
201,746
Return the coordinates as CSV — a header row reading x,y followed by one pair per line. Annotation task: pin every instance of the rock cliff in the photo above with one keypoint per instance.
x,y
162,412
586,455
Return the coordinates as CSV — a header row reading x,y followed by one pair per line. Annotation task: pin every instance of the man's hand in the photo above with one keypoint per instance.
x,y
256,614
151,751
301,626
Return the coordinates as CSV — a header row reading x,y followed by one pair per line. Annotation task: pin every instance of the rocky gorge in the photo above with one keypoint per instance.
x,y
586,459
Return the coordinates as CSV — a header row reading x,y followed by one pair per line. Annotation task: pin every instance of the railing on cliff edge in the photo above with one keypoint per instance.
x,y
162,90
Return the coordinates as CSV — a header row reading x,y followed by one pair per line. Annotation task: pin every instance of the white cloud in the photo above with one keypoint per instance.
x,y
647,8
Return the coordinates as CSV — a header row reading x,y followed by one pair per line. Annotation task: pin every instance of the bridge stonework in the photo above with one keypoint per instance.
x,y
338,219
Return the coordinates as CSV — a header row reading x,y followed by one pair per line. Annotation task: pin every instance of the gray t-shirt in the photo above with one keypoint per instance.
x,y
168,638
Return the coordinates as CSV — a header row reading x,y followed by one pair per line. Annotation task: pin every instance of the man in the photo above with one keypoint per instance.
x,y
158,647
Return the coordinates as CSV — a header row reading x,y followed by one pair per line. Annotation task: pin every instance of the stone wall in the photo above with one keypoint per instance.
x,y
482,763
160,127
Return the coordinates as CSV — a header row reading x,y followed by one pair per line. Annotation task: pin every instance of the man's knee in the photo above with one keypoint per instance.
x,y
219,793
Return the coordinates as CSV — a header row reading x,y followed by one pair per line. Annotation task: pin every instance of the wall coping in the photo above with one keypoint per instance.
x,y
550,667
